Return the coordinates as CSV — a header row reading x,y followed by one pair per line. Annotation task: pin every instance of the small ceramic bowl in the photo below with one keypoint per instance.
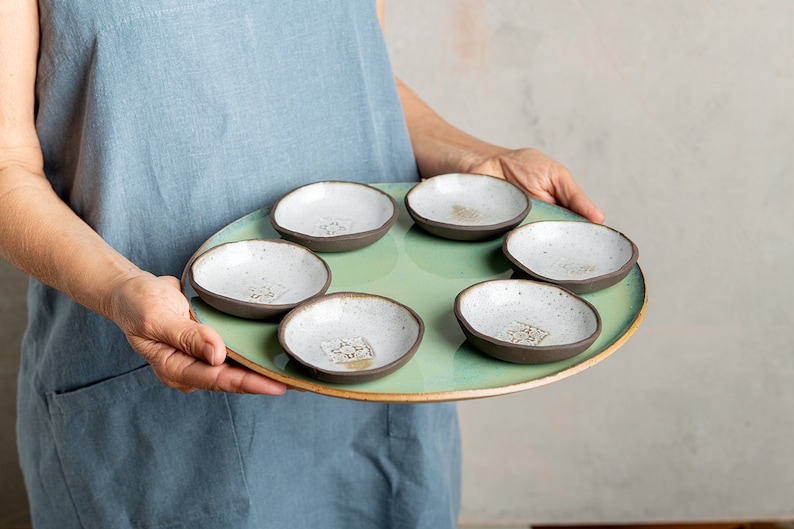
x,y
258,278
526,322
334,216
467,207
351,337
580,256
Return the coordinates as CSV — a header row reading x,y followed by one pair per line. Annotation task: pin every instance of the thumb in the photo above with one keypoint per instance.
x,y
582,205
199,341
184,334
572,197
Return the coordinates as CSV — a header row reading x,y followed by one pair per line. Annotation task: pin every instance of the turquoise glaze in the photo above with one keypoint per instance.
x,y
425,273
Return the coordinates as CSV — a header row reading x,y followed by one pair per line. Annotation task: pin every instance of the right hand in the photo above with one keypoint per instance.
x,y
154,315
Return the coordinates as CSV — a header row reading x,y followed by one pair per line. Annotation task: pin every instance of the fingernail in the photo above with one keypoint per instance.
x,y
209,354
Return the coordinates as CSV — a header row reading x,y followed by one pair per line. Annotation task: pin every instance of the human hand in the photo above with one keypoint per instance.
x,y
154,315
541,176
442,148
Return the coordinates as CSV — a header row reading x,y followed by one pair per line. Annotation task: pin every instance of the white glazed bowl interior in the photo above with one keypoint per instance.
x,y
331,209
467,200
527,313
349,332
569,250
261,272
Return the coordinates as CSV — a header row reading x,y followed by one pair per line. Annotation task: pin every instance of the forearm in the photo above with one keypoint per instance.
x,y
39,233
43,237
440,147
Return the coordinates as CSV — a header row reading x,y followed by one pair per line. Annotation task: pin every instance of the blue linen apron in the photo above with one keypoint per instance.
x,y
160,122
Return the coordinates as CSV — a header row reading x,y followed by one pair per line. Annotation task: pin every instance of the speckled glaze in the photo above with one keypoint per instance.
x,y
351,337
426,273
526,322
334,216
580,256
467,207
258,278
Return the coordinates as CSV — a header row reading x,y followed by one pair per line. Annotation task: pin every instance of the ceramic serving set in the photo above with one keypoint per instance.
x,y
536,316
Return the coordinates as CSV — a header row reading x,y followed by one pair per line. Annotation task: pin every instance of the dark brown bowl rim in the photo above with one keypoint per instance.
x,y
365,375
566,350
267,309
327,243
577,286
448,227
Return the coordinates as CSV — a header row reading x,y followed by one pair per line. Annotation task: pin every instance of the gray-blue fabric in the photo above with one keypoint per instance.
x,y
162,121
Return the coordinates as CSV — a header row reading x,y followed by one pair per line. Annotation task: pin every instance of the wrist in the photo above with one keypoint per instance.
x,y
113,297
455,154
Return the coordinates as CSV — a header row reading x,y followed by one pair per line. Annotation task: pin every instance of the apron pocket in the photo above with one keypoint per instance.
x,y
136,453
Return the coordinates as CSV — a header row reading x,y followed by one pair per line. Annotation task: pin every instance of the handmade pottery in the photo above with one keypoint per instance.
x,y
580,256
258,278
334,216
351,337
526,322
467,207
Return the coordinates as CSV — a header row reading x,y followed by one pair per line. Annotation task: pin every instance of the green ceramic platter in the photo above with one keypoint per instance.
x,y
425,273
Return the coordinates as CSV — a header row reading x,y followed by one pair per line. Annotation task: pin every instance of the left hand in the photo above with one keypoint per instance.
x,y
186,355
441,148
541,176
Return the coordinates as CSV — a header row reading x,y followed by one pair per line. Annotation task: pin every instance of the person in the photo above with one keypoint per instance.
x,y
129,133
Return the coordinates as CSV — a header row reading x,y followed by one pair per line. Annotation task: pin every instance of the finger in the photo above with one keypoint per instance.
x,y
183,334
197,361
161,316
186,373
572,197
224,377
174,281
200,341
581,204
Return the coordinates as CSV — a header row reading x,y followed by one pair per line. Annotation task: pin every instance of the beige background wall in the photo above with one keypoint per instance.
x,y
677,117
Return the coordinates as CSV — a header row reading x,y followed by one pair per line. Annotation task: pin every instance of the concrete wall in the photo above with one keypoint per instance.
x,y
677,116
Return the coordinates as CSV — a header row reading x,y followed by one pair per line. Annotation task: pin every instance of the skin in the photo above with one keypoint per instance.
x,y
441,148
43,237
